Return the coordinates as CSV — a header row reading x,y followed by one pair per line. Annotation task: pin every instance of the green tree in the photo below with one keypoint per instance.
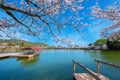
x,y
100,42
90,44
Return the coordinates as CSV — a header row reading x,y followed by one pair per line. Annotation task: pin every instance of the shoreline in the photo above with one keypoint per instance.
x,y
20,50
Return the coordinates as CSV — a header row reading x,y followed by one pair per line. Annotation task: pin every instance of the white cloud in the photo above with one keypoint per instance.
x,y
74,39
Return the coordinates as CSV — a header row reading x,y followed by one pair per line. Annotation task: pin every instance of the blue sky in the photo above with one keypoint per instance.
x,y
87,34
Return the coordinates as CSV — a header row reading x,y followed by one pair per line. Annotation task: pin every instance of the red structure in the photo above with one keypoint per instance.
x,y
35,48
31,50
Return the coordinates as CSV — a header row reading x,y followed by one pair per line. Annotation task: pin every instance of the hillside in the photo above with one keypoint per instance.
x,y
22,43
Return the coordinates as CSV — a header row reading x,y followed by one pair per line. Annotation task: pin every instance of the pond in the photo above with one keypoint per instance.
x,y
56,64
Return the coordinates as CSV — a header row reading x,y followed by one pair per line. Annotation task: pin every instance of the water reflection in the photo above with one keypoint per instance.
x,y
57,65
4,58
111,56
28,61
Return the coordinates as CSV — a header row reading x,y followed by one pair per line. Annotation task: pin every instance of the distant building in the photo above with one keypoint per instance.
x,y
4,45
17,46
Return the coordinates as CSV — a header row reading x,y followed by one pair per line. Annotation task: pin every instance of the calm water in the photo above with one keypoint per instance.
x,y
57,65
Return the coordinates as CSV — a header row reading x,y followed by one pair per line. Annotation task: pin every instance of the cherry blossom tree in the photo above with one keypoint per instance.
x,y
34,17
111,13
111,32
